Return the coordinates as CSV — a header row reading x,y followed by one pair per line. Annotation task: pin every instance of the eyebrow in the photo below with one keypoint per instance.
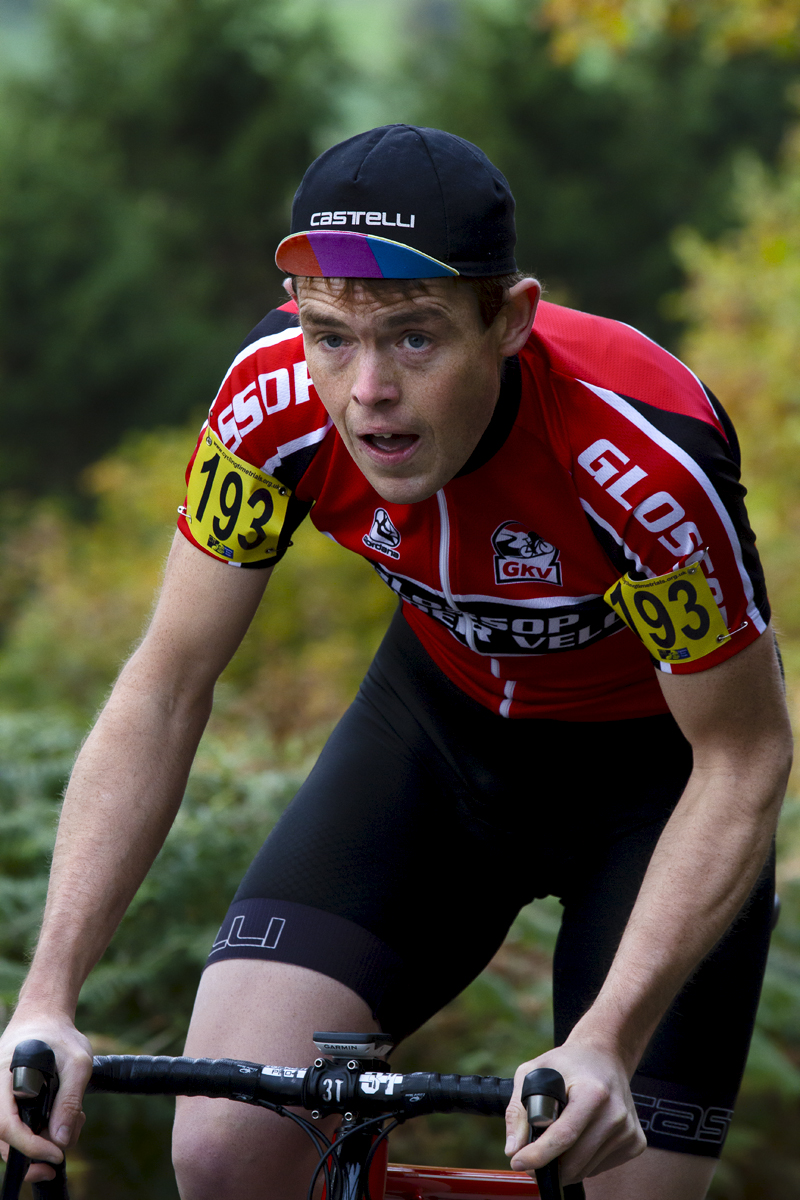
x,y
310,317
410,316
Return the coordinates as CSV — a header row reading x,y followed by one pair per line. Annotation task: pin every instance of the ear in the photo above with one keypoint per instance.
x,y
519,311
288,288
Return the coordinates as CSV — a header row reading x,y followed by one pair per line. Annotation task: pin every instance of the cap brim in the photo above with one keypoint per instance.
x,y
335,254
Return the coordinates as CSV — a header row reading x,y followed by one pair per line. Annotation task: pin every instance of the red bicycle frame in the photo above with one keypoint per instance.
x,y
400,1181
426,1183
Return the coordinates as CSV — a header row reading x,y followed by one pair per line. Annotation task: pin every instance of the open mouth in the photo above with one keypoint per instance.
x,y
391,443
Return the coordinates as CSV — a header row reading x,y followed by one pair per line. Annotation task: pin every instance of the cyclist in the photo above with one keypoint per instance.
x,y
557,506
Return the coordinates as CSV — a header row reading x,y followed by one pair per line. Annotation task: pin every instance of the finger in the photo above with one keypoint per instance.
x,y
629,1148
39,1173
30,1144
555,1141
517,1128
608,1144
66,1119
518,1131
78,1126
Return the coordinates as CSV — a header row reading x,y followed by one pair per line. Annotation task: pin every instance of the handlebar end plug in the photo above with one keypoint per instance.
x,y
35,1083
35,1054
544,1096
27,1082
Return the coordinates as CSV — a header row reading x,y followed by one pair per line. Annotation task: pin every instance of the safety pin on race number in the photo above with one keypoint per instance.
x,y
723,637
700,555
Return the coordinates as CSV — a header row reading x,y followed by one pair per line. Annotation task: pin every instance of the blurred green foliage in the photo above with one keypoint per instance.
x,y
743,305
140,997
725,26
605,155
78,594
146,172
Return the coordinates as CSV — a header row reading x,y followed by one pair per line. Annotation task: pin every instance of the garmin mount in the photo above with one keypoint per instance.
x,y
368,1051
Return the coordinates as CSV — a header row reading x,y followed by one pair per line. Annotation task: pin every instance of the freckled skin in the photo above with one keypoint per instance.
x,y
423,368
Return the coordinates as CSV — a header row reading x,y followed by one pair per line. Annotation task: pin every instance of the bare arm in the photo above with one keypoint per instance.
x,y
125,790
702,870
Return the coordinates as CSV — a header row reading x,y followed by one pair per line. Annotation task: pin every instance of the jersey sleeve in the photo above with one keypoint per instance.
x,y
661,490
241,505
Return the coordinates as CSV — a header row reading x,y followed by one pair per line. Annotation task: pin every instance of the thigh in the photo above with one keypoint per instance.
x,y
268,1012
263,1012
655,1175
385,873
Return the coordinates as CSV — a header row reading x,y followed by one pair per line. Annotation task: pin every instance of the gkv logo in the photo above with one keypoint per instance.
x,y
383,535
521,556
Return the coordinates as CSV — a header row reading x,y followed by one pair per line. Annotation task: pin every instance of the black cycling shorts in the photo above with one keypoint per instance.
x,y
429,821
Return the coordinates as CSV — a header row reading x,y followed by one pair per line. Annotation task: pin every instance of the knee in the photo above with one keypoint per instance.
x,y
203,1161
223,1150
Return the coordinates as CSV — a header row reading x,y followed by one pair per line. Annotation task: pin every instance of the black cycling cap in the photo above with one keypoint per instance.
x,y
401,202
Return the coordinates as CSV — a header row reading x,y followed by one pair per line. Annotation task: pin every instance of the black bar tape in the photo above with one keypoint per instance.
x,y
222,1077
484,1095
374,1093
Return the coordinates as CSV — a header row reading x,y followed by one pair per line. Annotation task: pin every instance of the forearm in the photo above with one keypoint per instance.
x,y
702,871
124,792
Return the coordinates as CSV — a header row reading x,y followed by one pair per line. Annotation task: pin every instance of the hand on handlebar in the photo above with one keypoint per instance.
x,y
74,1065
598,1129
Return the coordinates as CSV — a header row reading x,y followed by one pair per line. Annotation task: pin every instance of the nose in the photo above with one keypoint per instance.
x,y
374,381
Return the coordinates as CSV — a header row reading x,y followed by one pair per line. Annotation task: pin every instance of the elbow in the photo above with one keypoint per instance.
x,y
182,691
783,751
785,760
771,769
752,773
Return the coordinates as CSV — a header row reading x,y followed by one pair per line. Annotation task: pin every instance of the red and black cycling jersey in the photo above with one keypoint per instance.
x,y
605,456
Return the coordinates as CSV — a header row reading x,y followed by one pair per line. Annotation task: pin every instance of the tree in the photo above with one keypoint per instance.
x,y
743,305
87,588
146,173
606,154
726,26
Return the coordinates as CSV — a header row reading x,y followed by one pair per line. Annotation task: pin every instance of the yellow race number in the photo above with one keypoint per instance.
x,y
234,511
675,615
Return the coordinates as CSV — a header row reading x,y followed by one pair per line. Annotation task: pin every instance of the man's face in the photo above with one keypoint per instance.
x,y
409,382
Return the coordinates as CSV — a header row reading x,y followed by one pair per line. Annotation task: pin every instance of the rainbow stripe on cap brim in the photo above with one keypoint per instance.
x,y
335,254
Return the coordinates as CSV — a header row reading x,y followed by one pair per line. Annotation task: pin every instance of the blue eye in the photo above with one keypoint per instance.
x,y
417,341
333,341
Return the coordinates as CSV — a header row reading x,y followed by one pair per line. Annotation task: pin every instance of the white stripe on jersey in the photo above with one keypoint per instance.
x,y
300,443
271,339
677,452
553,601
508,692
631,554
